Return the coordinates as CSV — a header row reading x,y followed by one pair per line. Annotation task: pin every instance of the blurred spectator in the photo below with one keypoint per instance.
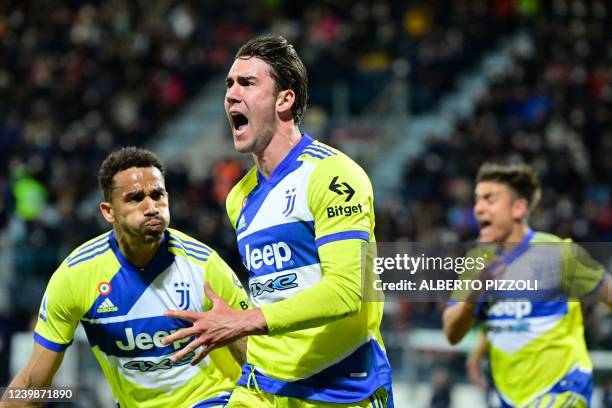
x,y
226,173
607,395
30,195
441,397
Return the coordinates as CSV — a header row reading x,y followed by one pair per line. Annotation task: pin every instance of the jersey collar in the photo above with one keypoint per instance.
x,y
519,250
287,164
159,262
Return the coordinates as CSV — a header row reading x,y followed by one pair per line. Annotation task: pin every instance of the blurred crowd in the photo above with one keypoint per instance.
x,y
81,78
428,42
553,110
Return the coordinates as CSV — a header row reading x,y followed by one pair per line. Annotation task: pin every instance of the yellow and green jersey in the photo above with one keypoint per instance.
x,y
121,309
300,234
536,341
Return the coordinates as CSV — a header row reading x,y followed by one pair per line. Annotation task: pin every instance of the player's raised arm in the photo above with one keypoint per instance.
x,y
457,320
39,372
460,315
338,295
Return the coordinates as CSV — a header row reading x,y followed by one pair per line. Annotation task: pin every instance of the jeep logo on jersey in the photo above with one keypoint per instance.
x,y
517,310
282,282
145,341
272,254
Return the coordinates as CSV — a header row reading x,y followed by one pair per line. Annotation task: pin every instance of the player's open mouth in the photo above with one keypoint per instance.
x,y
485,227
484,224
239,121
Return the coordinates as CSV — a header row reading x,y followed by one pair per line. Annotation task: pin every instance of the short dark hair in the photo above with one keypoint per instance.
x,y
519,177
124,159
288,70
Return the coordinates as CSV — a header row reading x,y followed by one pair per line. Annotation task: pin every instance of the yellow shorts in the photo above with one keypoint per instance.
x,y
244,398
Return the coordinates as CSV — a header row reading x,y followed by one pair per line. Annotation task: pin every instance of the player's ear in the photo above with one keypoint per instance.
x,y
107,212
284,101
520,208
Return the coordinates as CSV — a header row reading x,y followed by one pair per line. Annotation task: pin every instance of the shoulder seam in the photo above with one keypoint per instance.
x,y
105,248
89,246
183,253
187,240
324,147
318,152
191,249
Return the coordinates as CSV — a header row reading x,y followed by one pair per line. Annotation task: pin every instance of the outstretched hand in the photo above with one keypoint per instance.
x,y
218,327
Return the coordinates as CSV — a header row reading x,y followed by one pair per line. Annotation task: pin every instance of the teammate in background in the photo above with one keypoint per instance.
x,y
538,359
119,284
302,215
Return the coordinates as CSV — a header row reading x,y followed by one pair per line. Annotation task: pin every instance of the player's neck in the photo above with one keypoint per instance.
x,y
138,253
518,233
279,147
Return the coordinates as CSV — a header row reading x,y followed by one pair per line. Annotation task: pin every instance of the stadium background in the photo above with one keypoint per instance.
x,y
420,93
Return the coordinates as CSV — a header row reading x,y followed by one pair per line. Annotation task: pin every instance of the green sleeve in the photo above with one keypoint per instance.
x,y
337,295
340,199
